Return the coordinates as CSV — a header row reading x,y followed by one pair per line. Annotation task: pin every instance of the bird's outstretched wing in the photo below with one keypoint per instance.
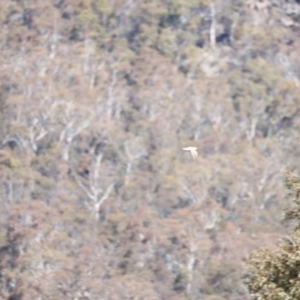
x,y
193,151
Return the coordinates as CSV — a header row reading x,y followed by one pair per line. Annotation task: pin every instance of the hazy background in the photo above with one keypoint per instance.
x,y
97,98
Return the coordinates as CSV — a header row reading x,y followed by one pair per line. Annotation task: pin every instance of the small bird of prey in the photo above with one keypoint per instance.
x,y
193,151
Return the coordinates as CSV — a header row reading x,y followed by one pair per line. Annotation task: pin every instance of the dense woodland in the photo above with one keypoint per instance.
x,y
275,274
97,98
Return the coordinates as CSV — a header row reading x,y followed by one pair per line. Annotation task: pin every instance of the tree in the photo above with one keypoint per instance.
x,y
276,275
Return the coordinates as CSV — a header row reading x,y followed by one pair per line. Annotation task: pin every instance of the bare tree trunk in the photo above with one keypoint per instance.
x,y
94,187
212,31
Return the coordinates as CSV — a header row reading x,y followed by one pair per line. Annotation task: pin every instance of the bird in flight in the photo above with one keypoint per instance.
x,y
193,151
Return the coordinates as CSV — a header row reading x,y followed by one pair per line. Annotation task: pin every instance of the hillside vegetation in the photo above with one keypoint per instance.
x,y
97,98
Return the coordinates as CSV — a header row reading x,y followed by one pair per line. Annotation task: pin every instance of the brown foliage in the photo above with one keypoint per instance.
x,y
97,98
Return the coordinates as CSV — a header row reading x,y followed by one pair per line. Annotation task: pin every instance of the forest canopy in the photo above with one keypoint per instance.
x,y
97,100
275,275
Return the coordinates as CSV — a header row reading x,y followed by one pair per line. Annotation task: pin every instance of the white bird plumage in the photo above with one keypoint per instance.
x,y
193,151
